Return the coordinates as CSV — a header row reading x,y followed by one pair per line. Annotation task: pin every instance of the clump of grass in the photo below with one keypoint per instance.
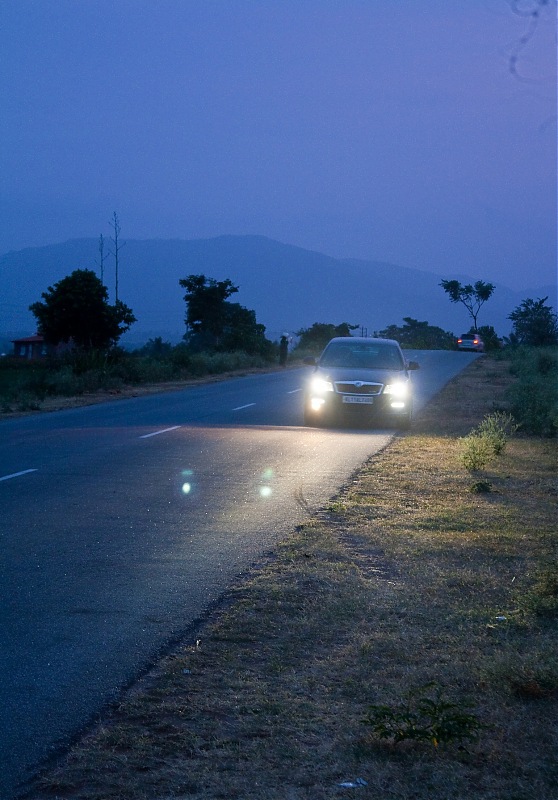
x,y
487,440
542,600
481,487
424,715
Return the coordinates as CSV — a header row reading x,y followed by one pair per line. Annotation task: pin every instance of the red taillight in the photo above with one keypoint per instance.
x,y
459,341
475,341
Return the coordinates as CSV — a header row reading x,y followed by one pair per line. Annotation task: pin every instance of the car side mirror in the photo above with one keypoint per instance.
x,y
413,365
310,360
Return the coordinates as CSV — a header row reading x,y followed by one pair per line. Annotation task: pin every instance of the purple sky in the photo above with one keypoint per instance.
x,y
390,130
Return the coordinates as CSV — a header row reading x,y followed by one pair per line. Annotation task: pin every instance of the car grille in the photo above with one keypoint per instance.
x,y
358,387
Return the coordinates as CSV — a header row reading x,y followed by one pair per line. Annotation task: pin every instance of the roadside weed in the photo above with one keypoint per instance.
x,y
487,440
424,716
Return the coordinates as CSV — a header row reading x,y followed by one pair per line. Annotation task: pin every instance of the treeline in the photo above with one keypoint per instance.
x,y
82,330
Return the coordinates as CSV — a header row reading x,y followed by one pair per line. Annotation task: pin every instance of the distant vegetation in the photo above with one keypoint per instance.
x,y
313,340
420,335
224,337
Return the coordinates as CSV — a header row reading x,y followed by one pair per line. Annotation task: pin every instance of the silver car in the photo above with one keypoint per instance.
x,y
471,342
360,380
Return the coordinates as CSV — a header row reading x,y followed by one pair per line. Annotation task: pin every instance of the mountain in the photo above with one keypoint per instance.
x,y
288,287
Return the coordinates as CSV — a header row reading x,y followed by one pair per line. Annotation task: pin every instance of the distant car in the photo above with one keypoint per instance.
x,y
470,341
360,379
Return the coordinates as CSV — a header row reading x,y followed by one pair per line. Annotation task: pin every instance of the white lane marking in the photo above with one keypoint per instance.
x,y
239,408
17,474
294,391
156,433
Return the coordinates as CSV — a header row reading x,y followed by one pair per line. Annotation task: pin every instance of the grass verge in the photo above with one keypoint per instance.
x,y
408,582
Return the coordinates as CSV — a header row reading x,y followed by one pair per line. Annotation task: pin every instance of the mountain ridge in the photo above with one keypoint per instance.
x,y
288,287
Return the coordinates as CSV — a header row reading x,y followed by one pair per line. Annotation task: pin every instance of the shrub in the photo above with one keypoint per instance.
x,y
497,428
487,440
424,716
534,396
476,452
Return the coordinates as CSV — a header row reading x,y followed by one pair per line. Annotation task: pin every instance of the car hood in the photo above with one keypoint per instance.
x,y
345,374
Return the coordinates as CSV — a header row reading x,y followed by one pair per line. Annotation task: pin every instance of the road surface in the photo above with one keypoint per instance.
x,y
122,523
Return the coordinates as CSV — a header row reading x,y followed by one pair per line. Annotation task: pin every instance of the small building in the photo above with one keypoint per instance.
x,y
31,347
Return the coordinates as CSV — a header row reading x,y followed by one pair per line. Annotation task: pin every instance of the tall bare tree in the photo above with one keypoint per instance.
x,y
115,224
102,257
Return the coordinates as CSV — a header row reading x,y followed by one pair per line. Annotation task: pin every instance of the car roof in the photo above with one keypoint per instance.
x,y
362,339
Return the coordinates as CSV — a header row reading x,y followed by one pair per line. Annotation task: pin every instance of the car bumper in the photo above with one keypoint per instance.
x,y
333,405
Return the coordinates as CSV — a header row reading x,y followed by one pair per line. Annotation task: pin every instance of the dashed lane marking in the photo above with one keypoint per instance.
x,y
17,474
156,433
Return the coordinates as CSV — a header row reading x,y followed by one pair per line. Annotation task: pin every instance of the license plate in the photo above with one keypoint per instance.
x,y
355,399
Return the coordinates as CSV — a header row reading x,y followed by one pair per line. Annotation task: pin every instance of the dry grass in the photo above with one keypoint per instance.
x,y
408,577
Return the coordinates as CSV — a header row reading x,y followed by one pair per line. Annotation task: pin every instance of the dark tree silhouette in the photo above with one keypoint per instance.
x,y
318,335
206,303
77,309
534,323
420,335
472,297
213,323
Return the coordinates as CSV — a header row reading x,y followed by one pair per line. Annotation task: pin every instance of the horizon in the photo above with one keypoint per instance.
x,y
418,134
288,287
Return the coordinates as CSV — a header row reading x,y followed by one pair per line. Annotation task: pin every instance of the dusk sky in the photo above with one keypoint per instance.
x,y
389,130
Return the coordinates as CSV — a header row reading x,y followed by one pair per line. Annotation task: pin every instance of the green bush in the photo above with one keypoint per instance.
x,y
487,440
533,397
476,452
497,428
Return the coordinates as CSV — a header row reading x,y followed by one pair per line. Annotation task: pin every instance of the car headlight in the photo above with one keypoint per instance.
x,y
321,386
399,389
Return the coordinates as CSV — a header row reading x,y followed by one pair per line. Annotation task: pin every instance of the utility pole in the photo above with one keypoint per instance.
x,y
117,247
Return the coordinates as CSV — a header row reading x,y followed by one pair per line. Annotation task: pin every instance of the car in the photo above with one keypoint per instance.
x,y
470,341
360,379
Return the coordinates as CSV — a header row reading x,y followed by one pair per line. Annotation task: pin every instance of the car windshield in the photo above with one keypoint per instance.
x,y
363,355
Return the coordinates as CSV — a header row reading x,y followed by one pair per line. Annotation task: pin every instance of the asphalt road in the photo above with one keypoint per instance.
x,y
121,523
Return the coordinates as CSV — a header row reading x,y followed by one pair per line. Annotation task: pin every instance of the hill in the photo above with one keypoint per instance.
x,y
288,287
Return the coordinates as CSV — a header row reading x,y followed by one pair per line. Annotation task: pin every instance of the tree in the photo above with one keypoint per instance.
x,y
117,248
472,297
156,348
206,303
215,324
534,323
241,331
420,335
489,337
318,335
102,257
77,309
